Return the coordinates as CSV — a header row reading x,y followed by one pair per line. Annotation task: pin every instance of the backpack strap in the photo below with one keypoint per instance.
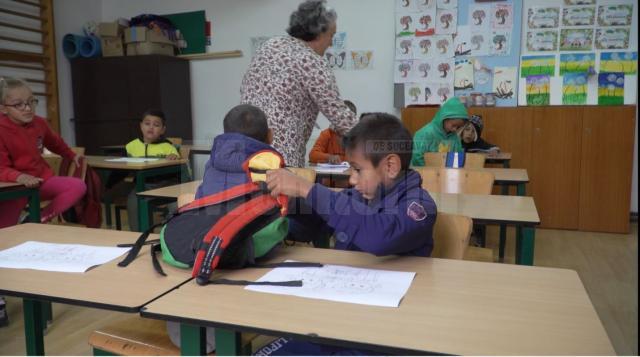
x,y
155,248
223,196
223,232
135,249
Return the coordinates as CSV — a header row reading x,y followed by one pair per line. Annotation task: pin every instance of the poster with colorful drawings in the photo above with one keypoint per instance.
x,y
405,24
337,59
424,71
500,43
424,47
611,88
479,18
504,82
537,65
339,40
463,74
577,63
615,14
446,4
574,89
501,16
538,90
543,17
446,21
361,59
462,41
612,38
445,70
625,62
426,23
404,47
578,16
444,47
538,41
576,39
402,71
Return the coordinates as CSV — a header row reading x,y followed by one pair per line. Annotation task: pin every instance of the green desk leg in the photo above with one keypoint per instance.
x,y
33,327
228,343
144,217
34,206
525,245
193,341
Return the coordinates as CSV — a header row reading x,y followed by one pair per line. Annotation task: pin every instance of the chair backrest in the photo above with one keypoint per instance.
x,y
308,174
175,140
438,159
451,234
456,180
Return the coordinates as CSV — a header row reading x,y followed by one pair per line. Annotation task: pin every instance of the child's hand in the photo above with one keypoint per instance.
x,y
334,159
285,182
172,157
28,180
76,159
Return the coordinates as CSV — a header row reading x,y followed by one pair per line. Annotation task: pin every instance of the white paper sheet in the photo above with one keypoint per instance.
x,y
133,159
70,258
341,283
332,168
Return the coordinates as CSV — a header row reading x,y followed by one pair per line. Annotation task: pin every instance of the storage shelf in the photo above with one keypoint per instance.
x,y
212,55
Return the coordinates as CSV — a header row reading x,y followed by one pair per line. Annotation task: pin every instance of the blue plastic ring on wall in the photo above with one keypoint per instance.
x,y
90,47
71,45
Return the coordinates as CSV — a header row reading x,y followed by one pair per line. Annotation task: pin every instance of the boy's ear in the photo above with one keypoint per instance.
x,y
269,136
393,166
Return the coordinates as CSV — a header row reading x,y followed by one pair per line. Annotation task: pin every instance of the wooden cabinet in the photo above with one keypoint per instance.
x,y
110,94
579,159
606,168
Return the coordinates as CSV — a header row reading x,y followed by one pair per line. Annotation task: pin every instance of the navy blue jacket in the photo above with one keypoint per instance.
x,y
224,168
398,220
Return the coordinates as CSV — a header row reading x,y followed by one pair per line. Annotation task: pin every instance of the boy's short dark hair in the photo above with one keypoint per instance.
x,y
156,113
248,120
380,134
351,106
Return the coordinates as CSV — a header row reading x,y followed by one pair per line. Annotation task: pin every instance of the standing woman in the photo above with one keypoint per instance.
x,y
291,82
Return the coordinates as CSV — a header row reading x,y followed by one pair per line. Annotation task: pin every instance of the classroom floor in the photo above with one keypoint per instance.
x,y
606,263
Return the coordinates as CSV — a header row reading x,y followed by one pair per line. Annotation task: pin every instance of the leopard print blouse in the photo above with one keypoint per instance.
x,y
292,84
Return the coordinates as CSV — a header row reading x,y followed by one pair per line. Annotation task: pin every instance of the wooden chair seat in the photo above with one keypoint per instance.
x,y
137,336
478,254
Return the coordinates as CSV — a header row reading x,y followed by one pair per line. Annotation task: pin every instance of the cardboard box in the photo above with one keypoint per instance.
x,y
110,29
143,34
149,48
112,46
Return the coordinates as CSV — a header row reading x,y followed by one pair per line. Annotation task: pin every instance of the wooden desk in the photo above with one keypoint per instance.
x,y
13,190
106,287
143,171
519,211
503,158
523,310
172,191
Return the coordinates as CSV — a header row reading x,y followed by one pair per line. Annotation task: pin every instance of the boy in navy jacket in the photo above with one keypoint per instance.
x,y
387,212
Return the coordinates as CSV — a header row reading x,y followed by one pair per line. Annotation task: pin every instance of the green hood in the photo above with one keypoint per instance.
x,y
433,138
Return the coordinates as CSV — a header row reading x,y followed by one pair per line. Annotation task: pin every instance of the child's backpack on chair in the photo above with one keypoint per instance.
x,y
218,230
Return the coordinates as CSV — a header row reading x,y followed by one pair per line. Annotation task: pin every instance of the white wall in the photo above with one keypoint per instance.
x,y
216,83
69,16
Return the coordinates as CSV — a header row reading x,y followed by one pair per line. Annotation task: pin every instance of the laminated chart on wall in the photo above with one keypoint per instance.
x,y
588,39
445,48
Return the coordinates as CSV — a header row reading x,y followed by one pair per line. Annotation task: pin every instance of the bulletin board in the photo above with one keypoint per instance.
x,y
579,52
464,62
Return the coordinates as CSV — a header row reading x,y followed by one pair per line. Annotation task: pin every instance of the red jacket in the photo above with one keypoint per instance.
x,y
21,148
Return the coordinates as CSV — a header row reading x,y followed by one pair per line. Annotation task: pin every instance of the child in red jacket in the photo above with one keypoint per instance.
x,y
23,136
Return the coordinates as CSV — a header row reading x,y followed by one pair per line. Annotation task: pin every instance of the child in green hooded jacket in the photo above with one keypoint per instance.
x,y
440,135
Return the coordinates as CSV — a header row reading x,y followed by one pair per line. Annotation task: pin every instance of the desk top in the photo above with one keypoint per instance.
x,y
172,191
501,175
106,286
101,163
10,186
452,306
489,208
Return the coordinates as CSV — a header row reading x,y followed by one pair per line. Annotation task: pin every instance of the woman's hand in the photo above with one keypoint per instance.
x,y
285,182
172,157
29,181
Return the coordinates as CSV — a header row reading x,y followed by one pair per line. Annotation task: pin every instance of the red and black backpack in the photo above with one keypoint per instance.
x,y
220,230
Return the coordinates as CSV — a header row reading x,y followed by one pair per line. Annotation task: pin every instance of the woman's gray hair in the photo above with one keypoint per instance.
x,y
312,18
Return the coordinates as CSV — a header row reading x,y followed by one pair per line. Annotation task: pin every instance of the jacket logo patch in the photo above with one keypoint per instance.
x,y
416,212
